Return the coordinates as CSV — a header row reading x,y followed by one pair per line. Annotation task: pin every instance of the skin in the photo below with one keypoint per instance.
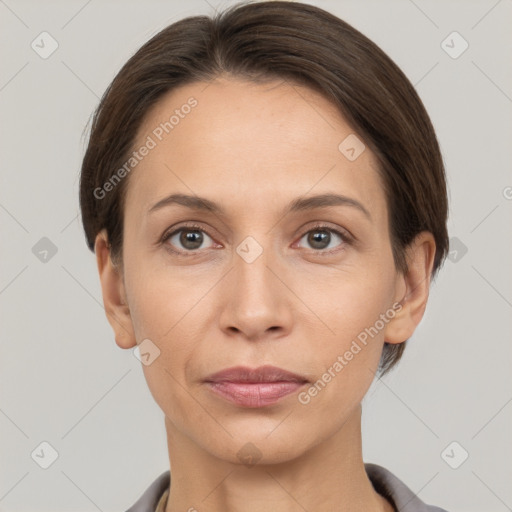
x,y
253,148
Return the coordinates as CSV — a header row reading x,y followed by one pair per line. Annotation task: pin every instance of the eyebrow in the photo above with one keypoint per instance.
x,y
297,205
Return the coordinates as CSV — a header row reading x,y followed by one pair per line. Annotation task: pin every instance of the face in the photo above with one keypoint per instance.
x,y
253,280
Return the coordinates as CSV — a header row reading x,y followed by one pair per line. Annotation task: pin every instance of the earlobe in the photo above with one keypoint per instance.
x,y
114,295
416,283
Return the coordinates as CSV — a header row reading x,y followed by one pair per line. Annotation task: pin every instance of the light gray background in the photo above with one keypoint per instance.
x,y
62,378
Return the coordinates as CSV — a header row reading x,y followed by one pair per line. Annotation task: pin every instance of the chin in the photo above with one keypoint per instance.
x,y
257,447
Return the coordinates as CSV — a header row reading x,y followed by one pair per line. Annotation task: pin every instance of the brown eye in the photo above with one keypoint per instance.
x,y
322,238
187,239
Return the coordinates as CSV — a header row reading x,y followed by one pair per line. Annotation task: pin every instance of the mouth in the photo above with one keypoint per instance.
x,y
253,388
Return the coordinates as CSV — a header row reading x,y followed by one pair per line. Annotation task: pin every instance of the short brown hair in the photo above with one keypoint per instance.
x,y
279,40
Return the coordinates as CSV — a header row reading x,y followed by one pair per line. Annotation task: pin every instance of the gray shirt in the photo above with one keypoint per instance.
x,y
383,481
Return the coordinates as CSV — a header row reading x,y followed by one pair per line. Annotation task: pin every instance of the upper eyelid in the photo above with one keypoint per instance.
x,y
318,225
168,233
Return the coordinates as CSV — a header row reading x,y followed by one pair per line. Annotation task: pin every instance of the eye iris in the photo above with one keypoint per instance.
x,y
319,237
195,237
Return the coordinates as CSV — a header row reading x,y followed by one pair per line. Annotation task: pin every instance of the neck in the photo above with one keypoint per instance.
x,y
329,476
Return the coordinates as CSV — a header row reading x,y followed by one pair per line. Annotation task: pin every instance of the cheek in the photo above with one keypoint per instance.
x,y
164,313
349,301
161,299
346,361
169,313
173,311
356,312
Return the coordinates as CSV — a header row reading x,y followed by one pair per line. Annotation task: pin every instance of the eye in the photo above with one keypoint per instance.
x,y
322,237
190,238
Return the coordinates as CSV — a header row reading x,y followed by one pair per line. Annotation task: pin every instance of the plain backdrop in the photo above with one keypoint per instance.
x,y
64,381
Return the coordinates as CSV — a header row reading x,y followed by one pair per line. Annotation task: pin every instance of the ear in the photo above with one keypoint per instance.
x,y
413,289
114,294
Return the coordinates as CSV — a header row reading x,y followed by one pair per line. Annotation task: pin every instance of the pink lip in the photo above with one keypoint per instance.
x,y
254,387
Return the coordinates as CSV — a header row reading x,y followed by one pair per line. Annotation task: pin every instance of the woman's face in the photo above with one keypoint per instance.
x,y
256,282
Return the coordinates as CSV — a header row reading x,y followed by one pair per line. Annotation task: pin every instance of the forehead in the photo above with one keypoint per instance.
x,y
212,139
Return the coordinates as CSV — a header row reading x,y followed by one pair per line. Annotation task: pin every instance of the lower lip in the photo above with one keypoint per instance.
x,y
254,394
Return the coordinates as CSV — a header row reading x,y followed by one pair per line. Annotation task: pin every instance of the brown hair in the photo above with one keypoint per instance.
x,y
278,40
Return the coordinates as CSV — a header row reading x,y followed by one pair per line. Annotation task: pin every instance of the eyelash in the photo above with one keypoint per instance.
x,y
345,237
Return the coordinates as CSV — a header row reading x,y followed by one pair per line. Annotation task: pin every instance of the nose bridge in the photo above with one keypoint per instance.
x,y
253,279
257,299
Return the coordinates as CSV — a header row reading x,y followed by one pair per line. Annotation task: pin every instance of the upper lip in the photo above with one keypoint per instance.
x,y
261,374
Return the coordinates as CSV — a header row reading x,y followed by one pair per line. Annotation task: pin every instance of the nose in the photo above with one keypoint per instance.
x,y
257,303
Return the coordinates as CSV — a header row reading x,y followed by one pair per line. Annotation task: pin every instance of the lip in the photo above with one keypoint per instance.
x,y
256,387
265,373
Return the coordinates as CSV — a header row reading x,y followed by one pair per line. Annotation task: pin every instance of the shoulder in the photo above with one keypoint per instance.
x,y
392,488
149,499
